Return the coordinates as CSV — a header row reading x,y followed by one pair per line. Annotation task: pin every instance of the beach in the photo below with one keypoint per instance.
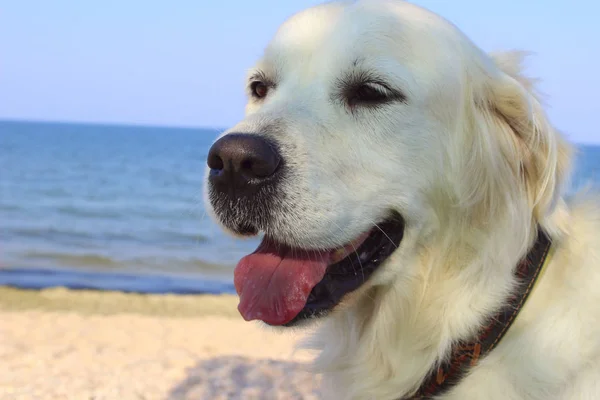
x,y
118,210
66,344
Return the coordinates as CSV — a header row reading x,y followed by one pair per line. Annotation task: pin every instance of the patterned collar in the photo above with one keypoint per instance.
x,y
466,354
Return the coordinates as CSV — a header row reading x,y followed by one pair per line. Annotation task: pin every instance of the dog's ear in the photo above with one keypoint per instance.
x,y
526,145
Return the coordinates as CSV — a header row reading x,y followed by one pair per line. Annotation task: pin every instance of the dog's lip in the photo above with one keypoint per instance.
x,y
282,285
346,275
342,252
275,281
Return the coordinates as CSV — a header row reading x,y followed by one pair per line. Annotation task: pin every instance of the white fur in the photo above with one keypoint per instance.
x,y
473,164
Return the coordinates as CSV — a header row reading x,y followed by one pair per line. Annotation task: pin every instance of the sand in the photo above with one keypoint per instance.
x,y
60,344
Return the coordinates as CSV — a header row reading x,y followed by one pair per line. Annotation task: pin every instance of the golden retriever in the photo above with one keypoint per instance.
x,y
399,175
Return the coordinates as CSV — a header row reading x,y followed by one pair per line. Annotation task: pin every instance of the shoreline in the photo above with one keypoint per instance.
x,y
115,280
97,302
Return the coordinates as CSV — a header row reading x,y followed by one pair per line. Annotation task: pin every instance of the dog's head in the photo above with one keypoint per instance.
x,y
368,124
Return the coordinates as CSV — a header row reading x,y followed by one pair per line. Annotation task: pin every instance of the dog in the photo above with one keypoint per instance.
x,y
410,190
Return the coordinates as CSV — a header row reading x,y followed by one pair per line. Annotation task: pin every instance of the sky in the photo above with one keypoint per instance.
x,y
183,62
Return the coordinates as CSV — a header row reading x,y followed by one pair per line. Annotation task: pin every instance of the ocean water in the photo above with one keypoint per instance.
x,y
120,207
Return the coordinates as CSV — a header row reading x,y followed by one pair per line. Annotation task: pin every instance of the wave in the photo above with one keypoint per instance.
x,y
176,236
104,213
10,207
77,260
46,233
41,278
159,237
123,211
189,264
164,263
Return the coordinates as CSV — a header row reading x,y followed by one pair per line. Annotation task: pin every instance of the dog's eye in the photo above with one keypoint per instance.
x,y
259,89
370,94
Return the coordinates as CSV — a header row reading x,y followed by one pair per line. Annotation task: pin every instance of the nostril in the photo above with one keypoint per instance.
x,y
247,165
254,167
215,162
237,159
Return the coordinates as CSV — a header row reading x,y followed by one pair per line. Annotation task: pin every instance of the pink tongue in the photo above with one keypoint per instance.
x,y
274,284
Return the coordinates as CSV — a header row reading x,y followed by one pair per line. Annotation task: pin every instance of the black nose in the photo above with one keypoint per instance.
x,y
239,161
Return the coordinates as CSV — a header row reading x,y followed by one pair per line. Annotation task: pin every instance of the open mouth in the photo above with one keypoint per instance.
x,y
282,285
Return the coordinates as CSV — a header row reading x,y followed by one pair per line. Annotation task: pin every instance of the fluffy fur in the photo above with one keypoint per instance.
x,y
472,163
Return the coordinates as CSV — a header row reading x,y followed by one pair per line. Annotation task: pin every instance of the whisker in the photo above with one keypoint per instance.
x,y
382,231
355,251
386,235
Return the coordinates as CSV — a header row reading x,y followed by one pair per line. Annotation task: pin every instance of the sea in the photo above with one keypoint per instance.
x,y
121,208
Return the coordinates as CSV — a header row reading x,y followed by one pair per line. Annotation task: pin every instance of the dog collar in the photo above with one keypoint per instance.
x,y
466,354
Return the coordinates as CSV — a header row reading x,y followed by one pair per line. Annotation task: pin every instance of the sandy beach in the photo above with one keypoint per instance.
x,y
61,344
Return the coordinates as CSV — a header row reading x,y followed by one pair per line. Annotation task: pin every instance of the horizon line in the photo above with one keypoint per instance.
x,y
111,124
165,126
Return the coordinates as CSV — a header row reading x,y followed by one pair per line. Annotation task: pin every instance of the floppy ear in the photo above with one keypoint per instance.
x,y
526,145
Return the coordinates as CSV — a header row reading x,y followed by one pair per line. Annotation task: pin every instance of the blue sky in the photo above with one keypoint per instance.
x,y
182,63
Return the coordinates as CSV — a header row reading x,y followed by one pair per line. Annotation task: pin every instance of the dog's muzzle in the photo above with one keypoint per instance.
x,y
243,177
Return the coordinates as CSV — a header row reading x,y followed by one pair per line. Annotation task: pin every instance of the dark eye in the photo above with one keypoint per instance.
x,y
259,89
368,94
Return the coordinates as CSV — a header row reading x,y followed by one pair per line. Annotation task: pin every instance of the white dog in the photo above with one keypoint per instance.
x,y
409,189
